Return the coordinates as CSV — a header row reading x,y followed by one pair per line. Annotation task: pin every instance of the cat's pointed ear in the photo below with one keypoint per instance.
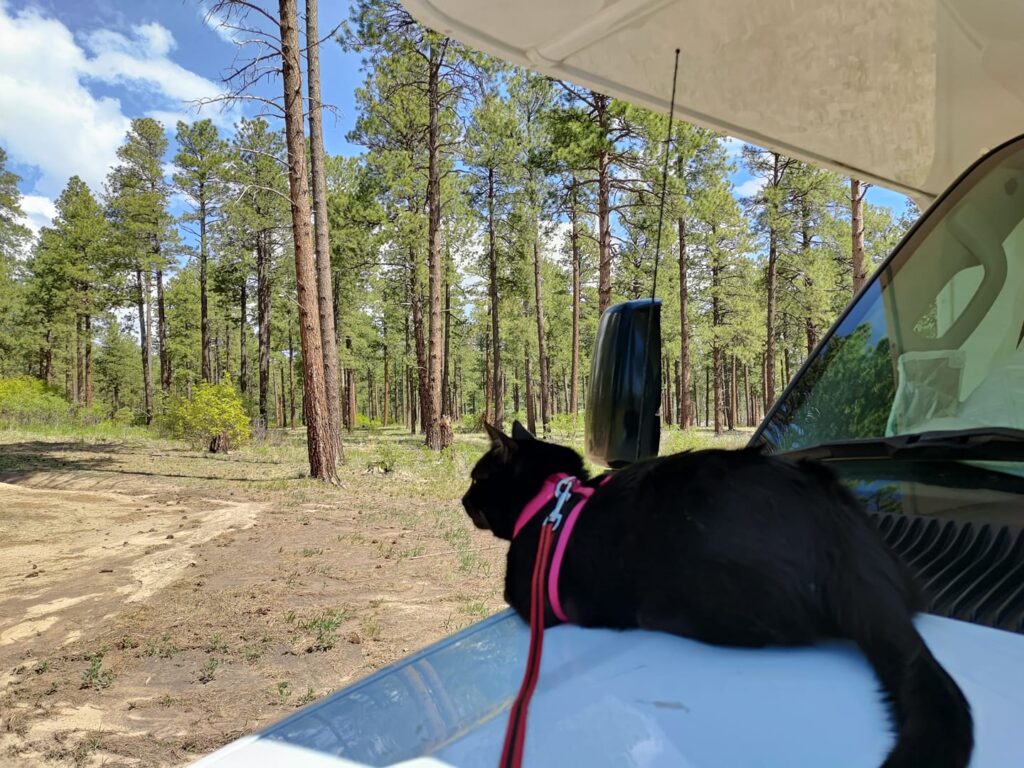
x,y
500,442
519,432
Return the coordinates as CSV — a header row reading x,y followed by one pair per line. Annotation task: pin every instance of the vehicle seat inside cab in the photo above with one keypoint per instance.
x,y
960,353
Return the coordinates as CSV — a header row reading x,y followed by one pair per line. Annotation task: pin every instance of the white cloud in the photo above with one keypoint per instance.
x,y
218,24
140,62
733,147
750,187
39,211
50,119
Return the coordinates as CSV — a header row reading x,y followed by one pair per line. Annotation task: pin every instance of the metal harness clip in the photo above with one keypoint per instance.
x,y
563,491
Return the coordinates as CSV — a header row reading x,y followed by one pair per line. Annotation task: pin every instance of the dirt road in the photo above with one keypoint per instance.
x,y
156,603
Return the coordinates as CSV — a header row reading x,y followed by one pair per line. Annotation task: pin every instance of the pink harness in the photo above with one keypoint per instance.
x,y
533,508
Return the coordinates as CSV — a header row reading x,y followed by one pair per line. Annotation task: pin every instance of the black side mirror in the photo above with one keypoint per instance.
x,y
624,398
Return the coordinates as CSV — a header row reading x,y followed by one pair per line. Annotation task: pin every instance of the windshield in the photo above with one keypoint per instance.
x,y
936,340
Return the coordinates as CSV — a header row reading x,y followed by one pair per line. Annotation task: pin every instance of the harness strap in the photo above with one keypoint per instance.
x,y
549,493
584,492
558,488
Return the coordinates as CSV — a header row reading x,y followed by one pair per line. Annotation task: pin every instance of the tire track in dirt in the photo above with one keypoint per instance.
x,y
73,558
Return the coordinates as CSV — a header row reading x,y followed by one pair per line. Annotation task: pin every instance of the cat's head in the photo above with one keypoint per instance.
x,y
510,474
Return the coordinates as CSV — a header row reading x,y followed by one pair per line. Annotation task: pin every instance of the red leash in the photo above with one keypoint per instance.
x,y
515,733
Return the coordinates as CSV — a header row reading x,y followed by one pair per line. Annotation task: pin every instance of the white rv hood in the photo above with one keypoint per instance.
x,y
905,93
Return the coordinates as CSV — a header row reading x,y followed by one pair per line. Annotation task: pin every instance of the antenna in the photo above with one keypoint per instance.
x,y
657,247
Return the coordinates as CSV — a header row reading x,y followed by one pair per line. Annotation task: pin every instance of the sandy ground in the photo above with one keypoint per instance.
x,y
155,603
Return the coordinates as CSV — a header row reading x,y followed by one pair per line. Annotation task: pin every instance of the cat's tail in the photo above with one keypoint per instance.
x,y
932,718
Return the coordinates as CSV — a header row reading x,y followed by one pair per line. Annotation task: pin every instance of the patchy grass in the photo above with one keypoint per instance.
x,y
162,647
95,676
216,644
209,670
325,628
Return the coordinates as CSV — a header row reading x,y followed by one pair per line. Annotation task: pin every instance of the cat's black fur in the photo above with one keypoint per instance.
x,y
732,548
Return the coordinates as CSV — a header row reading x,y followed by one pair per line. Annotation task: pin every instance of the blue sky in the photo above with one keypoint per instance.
x,y
74,72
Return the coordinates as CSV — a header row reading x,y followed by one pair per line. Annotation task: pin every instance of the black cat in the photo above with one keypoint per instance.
x,y
733,548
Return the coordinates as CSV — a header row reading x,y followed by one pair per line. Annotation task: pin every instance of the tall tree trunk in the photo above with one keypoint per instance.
x,y
772,280
204,307
350,387
488,382
282,413
320,447
438,428
291,376
325,290
746,396
666,390
812,335
515,389
805,252
419,338
387,391
718,379
542,345
88,361
227,344
764,383
407,382
492,275
733,396
604,267
574,380
707,394
78,379
685,420
531,414
263,317
161,329
446,393
72,372
145,344
243,327
679,396
717,356
857,190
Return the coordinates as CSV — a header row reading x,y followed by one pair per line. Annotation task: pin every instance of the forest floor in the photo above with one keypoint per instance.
x,y
157,602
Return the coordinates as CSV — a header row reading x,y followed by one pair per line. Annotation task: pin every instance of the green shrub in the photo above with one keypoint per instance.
x,y
213,417
90,416
365,422
27,402
570,424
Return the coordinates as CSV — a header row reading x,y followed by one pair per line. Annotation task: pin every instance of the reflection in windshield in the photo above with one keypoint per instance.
x,y
847,391
936,341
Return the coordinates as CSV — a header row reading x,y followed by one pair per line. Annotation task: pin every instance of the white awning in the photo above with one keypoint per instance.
x,y
905,93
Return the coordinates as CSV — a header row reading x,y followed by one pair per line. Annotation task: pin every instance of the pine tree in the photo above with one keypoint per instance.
x,y
770,211
137,197
256,222
201,161
322,449
491,148
325,290
14,237
81,228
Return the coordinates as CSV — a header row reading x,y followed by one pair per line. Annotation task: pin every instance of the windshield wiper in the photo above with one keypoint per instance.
x,y
991,443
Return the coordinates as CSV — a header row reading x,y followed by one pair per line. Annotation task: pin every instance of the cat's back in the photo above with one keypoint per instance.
x,y
744,487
